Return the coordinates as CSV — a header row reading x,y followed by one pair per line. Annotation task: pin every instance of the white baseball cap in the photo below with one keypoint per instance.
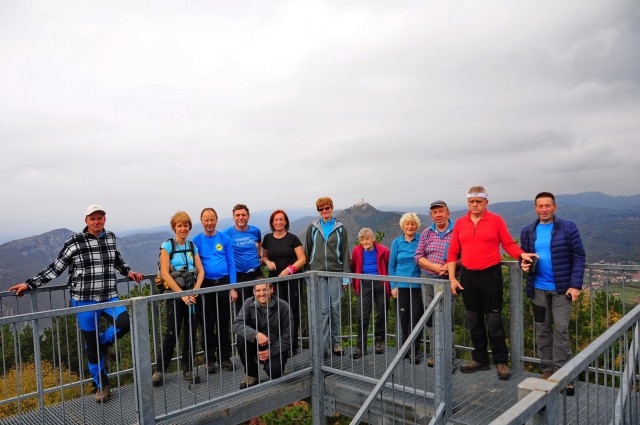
x,y
93,208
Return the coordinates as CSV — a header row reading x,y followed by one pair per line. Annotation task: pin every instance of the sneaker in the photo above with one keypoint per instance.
x,y
157,379
546,374
227,365
379,347
357,353
249,381
212,367
570,389
102,394
337,349
503,371
473,366
191,377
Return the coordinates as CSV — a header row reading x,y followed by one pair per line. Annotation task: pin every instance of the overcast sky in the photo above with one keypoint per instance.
x,y
152,107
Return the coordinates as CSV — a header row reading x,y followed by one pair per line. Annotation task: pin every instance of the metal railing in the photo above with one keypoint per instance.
x,y
44,373
410,392
604,373
37,344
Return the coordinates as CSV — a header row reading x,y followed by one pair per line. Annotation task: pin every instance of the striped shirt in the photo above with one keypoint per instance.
x,y
92,263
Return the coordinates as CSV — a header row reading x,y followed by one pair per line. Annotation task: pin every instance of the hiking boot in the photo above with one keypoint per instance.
x,y
249,381
102,394
191,377
227,365
570,389
379,347
212,368
473,366
357,353
157,379
504,373
546,374
337,349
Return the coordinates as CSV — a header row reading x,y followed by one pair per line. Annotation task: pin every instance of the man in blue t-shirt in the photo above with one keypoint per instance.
x,y
246,241
216,254
553,282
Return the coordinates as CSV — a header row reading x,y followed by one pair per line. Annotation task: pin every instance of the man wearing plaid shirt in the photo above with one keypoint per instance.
x,y
431,257
92,259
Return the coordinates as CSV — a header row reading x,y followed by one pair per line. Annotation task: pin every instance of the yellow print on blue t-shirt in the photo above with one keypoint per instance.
x,y
219,247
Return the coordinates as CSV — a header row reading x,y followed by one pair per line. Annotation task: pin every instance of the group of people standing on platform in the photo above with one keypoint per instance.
x,y
267,320
266,326
467,253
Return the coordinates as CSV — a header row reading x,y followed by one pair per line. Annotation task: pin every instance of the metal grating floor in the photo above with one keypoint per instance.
x,y
478,398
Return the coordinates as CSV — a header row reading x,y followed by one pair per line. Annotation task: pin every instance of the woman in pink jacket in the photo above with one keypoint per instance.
x,y
370,257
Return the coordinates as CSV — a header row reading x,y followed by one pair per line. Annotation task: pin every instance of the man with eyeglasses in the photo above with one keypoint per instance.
x,y
476,239
327,249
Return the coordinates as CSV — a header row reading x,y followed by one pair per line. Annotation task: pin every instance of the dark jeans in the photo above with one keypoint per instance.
x,y
410,309
216,316
179,318
290,292
482,298
371,292
274,367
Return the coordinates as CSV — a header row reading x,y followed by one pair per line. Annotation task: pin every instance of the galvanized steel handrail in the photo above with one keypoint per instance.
x,y
543,393
438,299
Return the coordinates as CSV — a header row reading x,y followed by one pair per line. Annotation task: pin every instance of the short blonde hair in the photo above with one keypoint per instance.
x,y
180,217
410,216
321,202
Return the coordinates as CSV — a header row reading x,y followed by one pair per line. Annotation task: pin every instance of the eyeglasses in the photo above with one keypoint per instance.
x,y
324,209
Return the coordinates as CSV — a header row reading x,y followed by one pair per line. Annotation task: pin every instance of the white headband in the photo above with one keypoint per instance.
x,y
478,195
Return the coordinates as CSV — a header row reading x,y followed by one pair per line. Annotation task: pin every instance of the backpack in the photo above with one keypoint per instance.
x,y
161,285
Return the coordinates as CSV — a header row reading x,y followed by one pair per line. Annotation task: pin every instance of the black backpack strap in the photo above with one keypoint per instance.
x,y
174,248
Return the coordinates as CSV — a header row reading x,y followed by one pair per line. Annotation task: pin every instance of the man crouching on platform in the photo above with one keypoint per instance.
x,y
263,327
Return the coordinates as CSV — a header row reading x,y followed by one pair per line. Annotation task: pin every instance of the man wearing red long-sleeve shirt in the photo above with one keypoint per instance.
x,y
478,236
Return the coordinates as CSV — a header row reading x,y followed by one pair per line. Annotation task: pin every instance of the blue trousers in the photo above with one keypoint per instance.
x,y
97,343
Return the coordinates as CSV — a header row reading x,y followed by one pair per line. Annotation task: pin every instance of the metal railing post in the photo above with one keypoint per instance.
x,y
37,354
516,318
141,360
317,349
551,413
442,348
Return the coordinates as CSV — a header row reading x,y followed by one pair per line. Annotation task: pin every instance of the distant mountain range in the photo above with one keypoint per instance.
x,y
610,229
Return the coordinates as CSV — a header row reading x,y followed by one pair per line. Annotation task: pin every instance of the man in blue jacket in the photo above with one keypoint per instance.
x,y
553,282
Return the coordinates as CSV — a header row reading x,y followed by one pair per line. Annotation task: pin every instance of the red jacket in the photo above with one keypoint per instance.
x,y
480,243
382,258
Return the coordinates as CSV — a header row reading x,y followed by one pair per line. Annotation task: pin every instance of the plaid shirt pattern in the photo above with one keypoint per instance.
x,y
434,248
92,263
